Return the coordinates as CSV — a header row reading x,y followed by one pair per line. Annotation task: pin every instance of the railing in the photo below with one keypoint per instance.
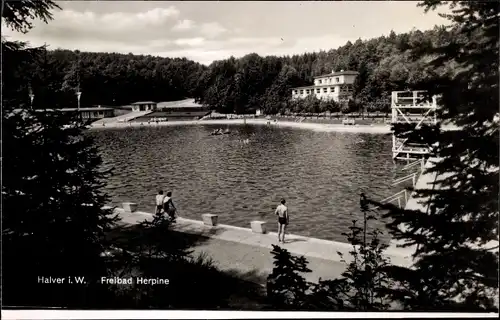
x,y
411,98
404,193
420,162
412,176
397,149
414,119
397,196
406,149
412,101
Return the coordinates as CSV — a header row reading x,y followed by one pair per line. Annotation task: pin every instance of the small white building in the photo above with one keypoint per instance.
x,y
258,112
337,86
144,106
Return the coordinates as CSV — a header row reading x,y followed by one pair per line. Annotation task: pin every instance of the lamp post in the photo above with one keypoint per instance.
x,y
32,96
78,95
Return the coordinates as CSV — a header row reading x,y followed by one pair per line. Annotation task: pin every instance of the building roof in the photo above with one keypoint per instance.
x,y
306,87
174,114
324,86
103,106
69,109
339,73
87,109
186,103
143,102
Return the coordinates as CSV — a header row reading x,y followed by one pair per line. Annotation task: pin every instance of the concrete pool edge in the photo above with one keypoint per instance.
x,y
296,244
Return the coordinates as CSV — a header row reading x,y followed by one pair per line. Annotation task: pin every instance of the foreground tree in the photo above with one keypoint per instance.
x,y
456,239
53,223
18,14
152,250
361,287
286,287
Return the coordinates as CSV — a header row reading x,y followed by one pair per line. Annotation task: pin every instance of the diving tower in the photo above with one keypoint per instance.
x,y
411,108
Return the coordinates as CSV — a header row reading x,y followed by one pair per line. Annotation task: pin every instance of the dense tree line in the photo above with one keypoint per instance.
x,y
107,78
384,64
240,85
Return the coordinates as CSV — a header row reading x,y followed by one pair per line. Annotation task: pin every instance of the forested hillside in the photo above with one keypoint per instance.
x,y
108,78
236,85
385,64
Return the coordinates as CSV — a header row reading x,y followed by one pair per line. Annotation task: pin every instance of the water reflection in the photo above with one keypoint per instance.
x,y
319,174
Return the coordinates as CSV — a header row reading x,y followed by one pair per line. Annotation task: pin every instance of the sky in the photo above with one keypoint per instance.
x,y
205,31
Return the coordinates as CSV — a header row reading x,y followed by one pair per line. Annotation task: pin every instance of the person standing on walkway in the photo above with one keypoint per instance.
x,y
159,202
283,219
168,205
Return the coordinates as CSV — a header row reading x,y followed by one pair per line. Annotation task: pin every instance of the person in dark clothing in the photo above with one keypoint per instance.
x,y
168,205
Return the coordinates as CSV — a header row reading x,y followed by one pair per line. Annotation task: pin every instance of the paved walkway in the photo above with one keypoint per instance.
x,y
324,250
255,263
240,252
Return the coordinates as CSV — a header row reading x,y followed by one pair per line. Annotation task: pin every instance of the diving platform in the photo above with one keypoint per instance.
x,y
415,109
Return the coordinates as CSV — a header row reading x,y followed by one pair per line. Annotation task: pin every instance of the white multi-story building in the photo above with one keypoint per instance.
x,y
337,86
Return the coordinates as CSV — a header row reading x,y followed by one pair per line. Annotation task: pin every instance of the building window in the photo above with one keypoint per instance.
x,y
319,81
332,89
307,91
294,91
325,90
317,90
337,79
301,91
